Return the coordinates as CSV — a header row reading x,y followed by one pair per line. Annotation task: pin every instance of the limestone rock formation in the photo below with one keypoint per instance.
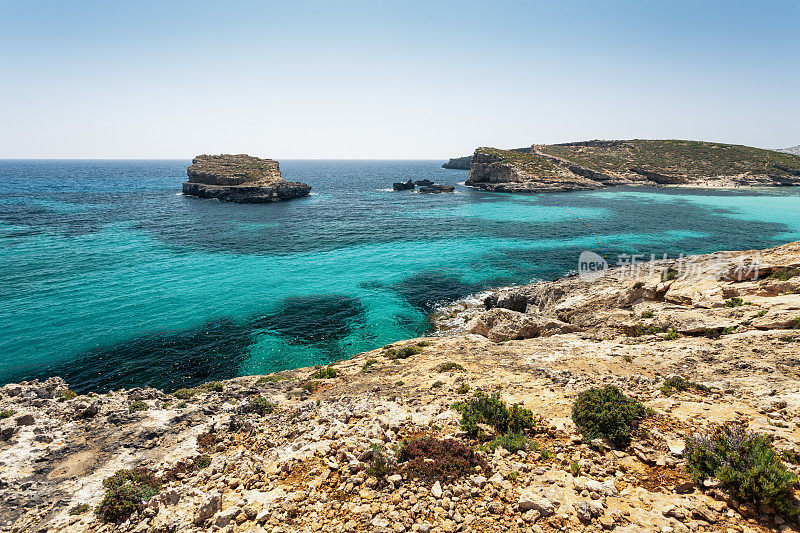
x,y
590,165
240,178
458,163
403,185
437,188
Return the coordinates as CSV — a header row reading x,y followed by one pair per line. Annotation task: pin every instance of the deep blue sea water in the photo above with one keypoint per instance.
x,y
111,278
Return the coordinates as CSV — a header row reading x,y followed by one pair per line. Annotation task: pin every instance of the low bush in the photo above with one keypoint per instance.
x,y
404,352
202,462
513,442
435,459
671,335
7,413
437,384
271,379
184,394
494,412
206,441
138,405
311,386
379,465
450,367
785,274
323,372
760,313
126,492
79,508
368,364
796,323
260,406
66,394
463,388
677,383
647,314
746,464
211,386
607,412
736,302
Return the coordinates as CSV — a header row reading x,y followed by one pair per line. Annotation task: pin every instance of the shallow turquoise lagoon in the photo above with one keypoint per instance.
x,y
111,278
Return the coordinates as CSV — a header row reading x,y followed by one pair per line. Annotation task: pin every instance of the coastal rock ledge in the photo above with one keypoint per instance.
x,y
240,178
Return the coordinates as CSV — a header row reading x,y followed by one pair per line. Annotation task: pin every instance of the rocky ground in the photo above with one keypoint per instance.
x,y
306,461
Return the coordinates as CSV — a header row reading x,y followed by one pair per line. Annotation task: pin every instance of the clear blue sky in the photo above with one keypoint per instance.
x,y
426,79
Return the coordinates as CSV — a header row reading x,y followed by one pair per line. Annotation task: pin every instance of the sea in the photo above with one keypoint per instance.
x,y
111,278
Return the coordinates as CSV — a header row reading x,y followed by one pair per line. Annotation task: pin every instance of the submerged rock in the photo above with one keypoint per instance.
x,y
240,178
436,189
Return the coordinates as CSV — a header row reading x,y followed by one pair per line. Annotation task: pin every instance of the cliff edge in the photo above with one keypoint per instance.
x,y
240,178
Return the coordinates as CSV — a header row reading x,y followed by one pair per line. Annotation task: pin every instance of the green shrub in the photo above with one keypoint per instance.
x,y
261,406
403,353
211,386
647,314
796,323
368,364
681,384
126,491
639,330
202,462
785,274
627,358
607,413
760,313
323,372
311,386
423,344
670,274
575,468
492,411
727,330
638,285
379,465
184,394
181,405
450,367
435,459
138,405
271,379
513,442
782,404
745,464
8,413
463,388
79,508
671,335
66,394
736,302
437,384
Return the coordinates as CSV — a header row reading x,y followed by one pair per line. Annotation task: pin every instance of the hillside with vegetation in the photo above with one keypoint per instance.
x,y
595,164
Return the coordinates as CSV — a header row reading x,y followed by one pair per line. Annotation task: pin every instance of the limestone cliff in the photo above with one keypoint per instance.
x,y
458,163
240,178
596,164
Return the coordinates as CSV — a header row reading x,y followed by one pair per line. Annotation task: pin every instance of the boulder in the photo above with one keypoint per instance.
x,y
423,183
503,324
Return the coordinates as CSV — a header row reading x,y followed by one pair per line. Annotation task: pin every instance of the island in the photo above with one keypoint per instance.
x,y
588,165
240,178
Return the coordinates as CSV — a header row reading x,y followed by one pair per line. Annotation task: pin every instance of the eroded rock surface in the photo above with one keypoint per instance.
x,y
240,178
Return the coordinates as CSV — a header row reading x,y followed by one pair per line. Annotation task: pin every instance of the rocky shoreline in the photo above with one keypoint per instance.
x,y
699,342
240,178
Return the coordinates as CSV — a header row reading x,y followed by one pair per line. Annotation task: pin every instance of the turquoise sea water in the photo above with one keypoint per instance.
x,y
110,278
